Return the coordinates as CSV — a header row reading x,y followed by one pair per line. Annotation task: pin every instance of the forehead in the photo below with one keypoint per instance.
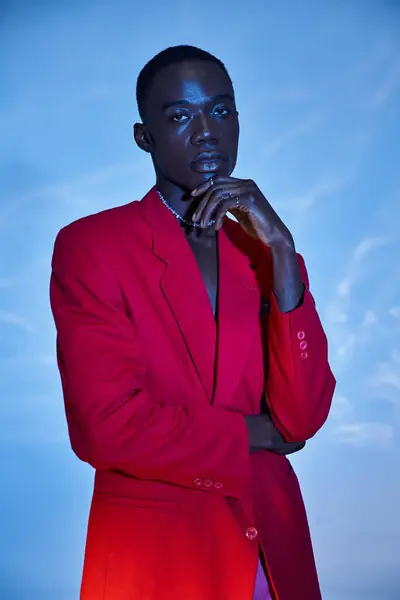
x,y
189,80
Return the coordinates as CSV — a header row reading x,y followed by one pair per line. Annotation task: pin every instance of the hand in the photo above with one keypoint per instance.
x,y
256,216
263,435
248,205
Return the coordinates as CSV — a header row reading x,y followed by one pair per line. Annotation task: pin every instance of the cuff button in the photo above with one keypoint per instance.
x,y
252,533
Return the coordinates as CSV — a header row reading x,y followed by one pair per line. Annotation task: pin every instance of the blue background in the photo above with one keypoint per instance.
x,y
318,89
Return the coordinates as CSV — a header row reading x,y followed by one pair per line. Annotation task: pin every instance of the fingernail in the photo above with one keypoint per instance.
x,y
194,192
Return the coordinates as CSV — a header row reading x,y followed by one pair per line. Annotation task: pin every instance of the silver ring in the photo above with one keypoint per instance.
x,y
211,180
232,196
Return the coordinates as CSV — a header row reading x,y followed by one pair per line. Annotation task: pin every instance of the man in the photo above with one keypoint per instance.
x,y
192,360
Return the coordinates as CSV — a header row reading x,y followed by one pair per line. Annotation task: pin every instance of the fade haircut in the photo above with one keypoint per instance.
x,y
169,56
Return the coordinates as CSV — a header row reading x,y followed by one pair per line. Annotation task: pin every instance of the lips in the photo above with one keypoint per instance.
x,y
210,165
208,162
207,157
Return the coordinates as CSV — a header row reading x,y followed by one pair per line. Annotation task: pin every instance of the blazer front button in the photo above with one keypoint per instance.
x,y
252,533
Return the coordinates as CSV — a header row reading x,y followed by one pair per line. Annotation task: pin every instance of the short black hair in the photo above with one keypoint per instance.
x,y
169,56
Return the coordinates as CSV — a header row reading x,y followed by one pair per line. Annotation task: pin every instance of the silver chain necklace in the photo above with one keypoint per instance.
x,y
178,216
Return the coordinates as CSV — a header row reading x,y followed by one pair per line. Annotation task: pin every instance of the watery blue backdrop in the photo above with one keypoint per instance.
x,y
317,87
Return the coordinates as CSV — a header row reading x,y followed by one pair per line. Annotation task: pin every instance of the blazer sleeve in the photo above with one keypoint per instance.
x,y
113,422
300,383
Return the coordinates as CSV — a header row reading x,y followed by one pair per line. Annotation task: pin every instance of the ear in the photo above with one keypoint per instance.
x,y
142,137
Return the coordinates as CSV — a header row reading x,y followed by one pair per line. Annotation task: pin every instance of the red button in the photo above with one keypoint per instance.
x,y
303,355
218,485
251,533
198,481
303,345
208,483
301,335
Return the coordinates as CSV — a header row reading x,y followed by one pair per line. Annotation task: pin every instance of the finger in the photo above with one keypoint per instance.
x,y
202,188
290,448
221,214
200,212
217,197
235,203
224,207
295,448
212,182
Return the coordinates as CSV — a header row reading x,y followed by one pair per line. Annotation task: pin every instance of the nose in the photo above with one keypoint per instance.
x,y
203,131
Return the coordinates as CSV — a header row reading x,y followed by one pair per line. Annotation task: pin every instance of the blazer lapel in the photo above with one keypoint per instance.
x,y
183,288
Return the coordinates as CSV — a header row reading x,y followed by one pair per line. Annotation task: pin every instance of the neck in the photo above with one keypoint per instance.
x,y
179,199
183,203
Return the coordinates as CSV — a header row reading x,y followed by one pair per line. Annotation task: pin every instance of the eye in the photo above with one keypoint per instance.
x,y
179,118
222,111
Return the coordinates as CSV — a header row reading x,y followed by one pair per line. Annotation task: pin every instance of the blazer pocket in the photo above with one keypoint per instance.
x,y
152,503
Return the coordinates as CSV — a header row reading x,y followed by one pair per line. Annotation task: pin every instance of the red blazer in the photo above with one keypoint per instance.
x,y
180,507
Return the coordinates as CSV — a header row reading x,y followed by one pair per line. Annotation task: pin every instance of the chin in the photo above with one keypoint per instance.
x,y
202,177
196,179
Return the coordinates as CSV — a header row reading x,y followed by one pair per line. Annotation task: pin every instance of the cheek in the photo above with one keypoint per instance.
x,y
231,137
235,134
172,154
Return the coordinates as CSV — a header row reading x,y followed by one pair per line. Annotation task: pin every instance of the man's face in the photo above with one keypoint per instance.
x,y
192,123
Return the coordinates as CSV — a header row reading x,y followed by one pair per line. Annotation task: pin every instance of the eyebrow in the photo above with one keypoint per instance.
x,y
217,98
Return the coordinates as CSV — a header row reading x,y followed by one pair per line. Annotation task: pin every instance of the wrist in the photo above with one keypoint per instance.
x,y
283,249
288,286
